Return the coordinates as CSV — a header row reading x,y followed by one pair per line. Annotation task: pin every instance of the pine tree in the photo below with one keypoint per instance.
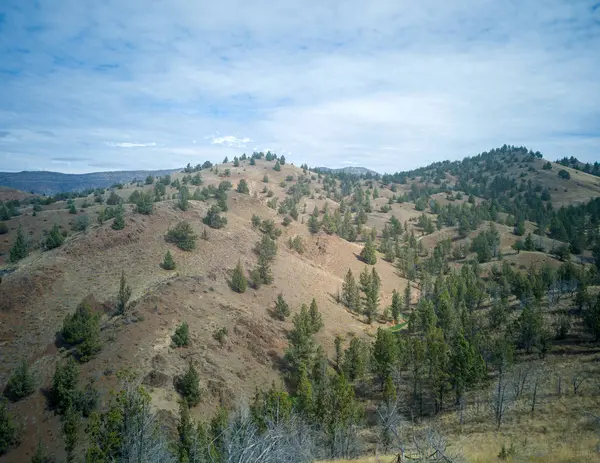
x,y
316,319
313,224
282,310
395,308
277,166
119,221
370,284
304,395
350,293
168,262
528,245
407,296
239,283
520,228
54,238
368,253
21,383
385,353
19,249
189,386
124,295
184,195
71,425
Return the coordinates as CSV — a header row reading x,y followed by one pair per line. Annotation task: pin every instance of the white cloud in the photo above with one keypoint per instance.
x,y
231,141
389,85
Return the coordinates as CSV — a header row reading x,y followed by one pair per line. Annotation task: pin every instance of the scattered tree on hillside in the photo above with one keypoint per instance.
x,y
19,249
238,280
181,338
213,219
351,293
189,386
20,384
183,236
123,296
168,262
368,253
243,187
54,238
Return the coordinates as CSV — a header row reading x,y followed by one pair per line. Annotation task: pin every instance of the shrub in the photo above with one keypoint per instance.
x,y
243,187
265,179
3,228
256,220
269,228
277,166
19,249
54,238
72,209
189,386
81,223
286,221
562,173
168,262
149,180
9,431
181,337
21,383
238,279
213,219
297,244
183,236
220,335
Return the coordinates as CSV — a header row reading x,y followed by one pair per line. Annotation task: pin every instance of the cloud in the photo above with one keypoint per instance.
x,y
387,85
130,145
4,133
231,140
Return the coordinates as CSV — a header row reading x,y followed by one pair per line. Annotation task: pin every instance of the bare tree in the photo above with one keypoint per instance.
x,y
501,399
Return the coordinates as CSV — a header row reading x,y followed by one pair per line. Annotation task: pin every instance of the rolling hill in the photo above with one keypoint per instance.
x,y
488,266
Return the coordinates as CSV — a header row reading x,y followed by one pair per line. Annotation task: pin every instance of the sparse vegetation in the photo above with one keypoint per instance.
x,y
82,330
220,335
20,384
238,280
54,238
189,386
20,248
213,219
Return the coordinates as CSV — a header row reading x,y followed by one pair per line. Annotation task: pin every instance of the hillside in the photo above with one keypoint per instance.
x,y
493,283
49,183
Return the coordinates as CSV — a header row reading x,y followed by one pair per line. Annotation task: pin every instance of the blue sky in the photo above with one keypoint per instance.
x,y
390,85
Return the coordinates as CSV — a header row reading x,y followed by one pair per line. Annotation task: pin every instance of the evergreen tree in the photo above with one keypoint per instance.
x,y
63,393
316,319
184,196
181,338
243,187
385,353
351,293
407,296
282,310
395,308
124,295
119,221
183,236
9,430
313,224
528,245
189,386
368,253
370,284
277,166
520,228
54,238
238,279
168,262
21,383
19,249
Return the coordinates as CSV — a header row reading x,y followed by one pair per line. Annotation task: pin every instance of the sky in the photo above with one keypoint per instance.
x,y
389,85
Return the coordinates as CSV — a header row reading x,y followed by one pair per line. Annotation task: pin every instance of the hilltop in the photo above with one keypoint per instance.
x,y
469,276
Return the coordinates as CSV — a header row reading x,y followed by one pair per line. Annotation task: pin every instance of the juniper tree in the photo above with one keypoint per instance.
x,y
183,198
189,386
181,337
243,187
395,307
238,279
282,310
119,221
21,383
316,319
182,235
124,295
10,435
54,238
168,262
370,284
19,249
351,292
368,253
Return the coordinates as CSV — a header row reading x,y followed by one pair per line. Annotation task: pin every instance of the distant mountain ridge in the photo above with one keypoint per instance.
x,y
349,170
48,183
